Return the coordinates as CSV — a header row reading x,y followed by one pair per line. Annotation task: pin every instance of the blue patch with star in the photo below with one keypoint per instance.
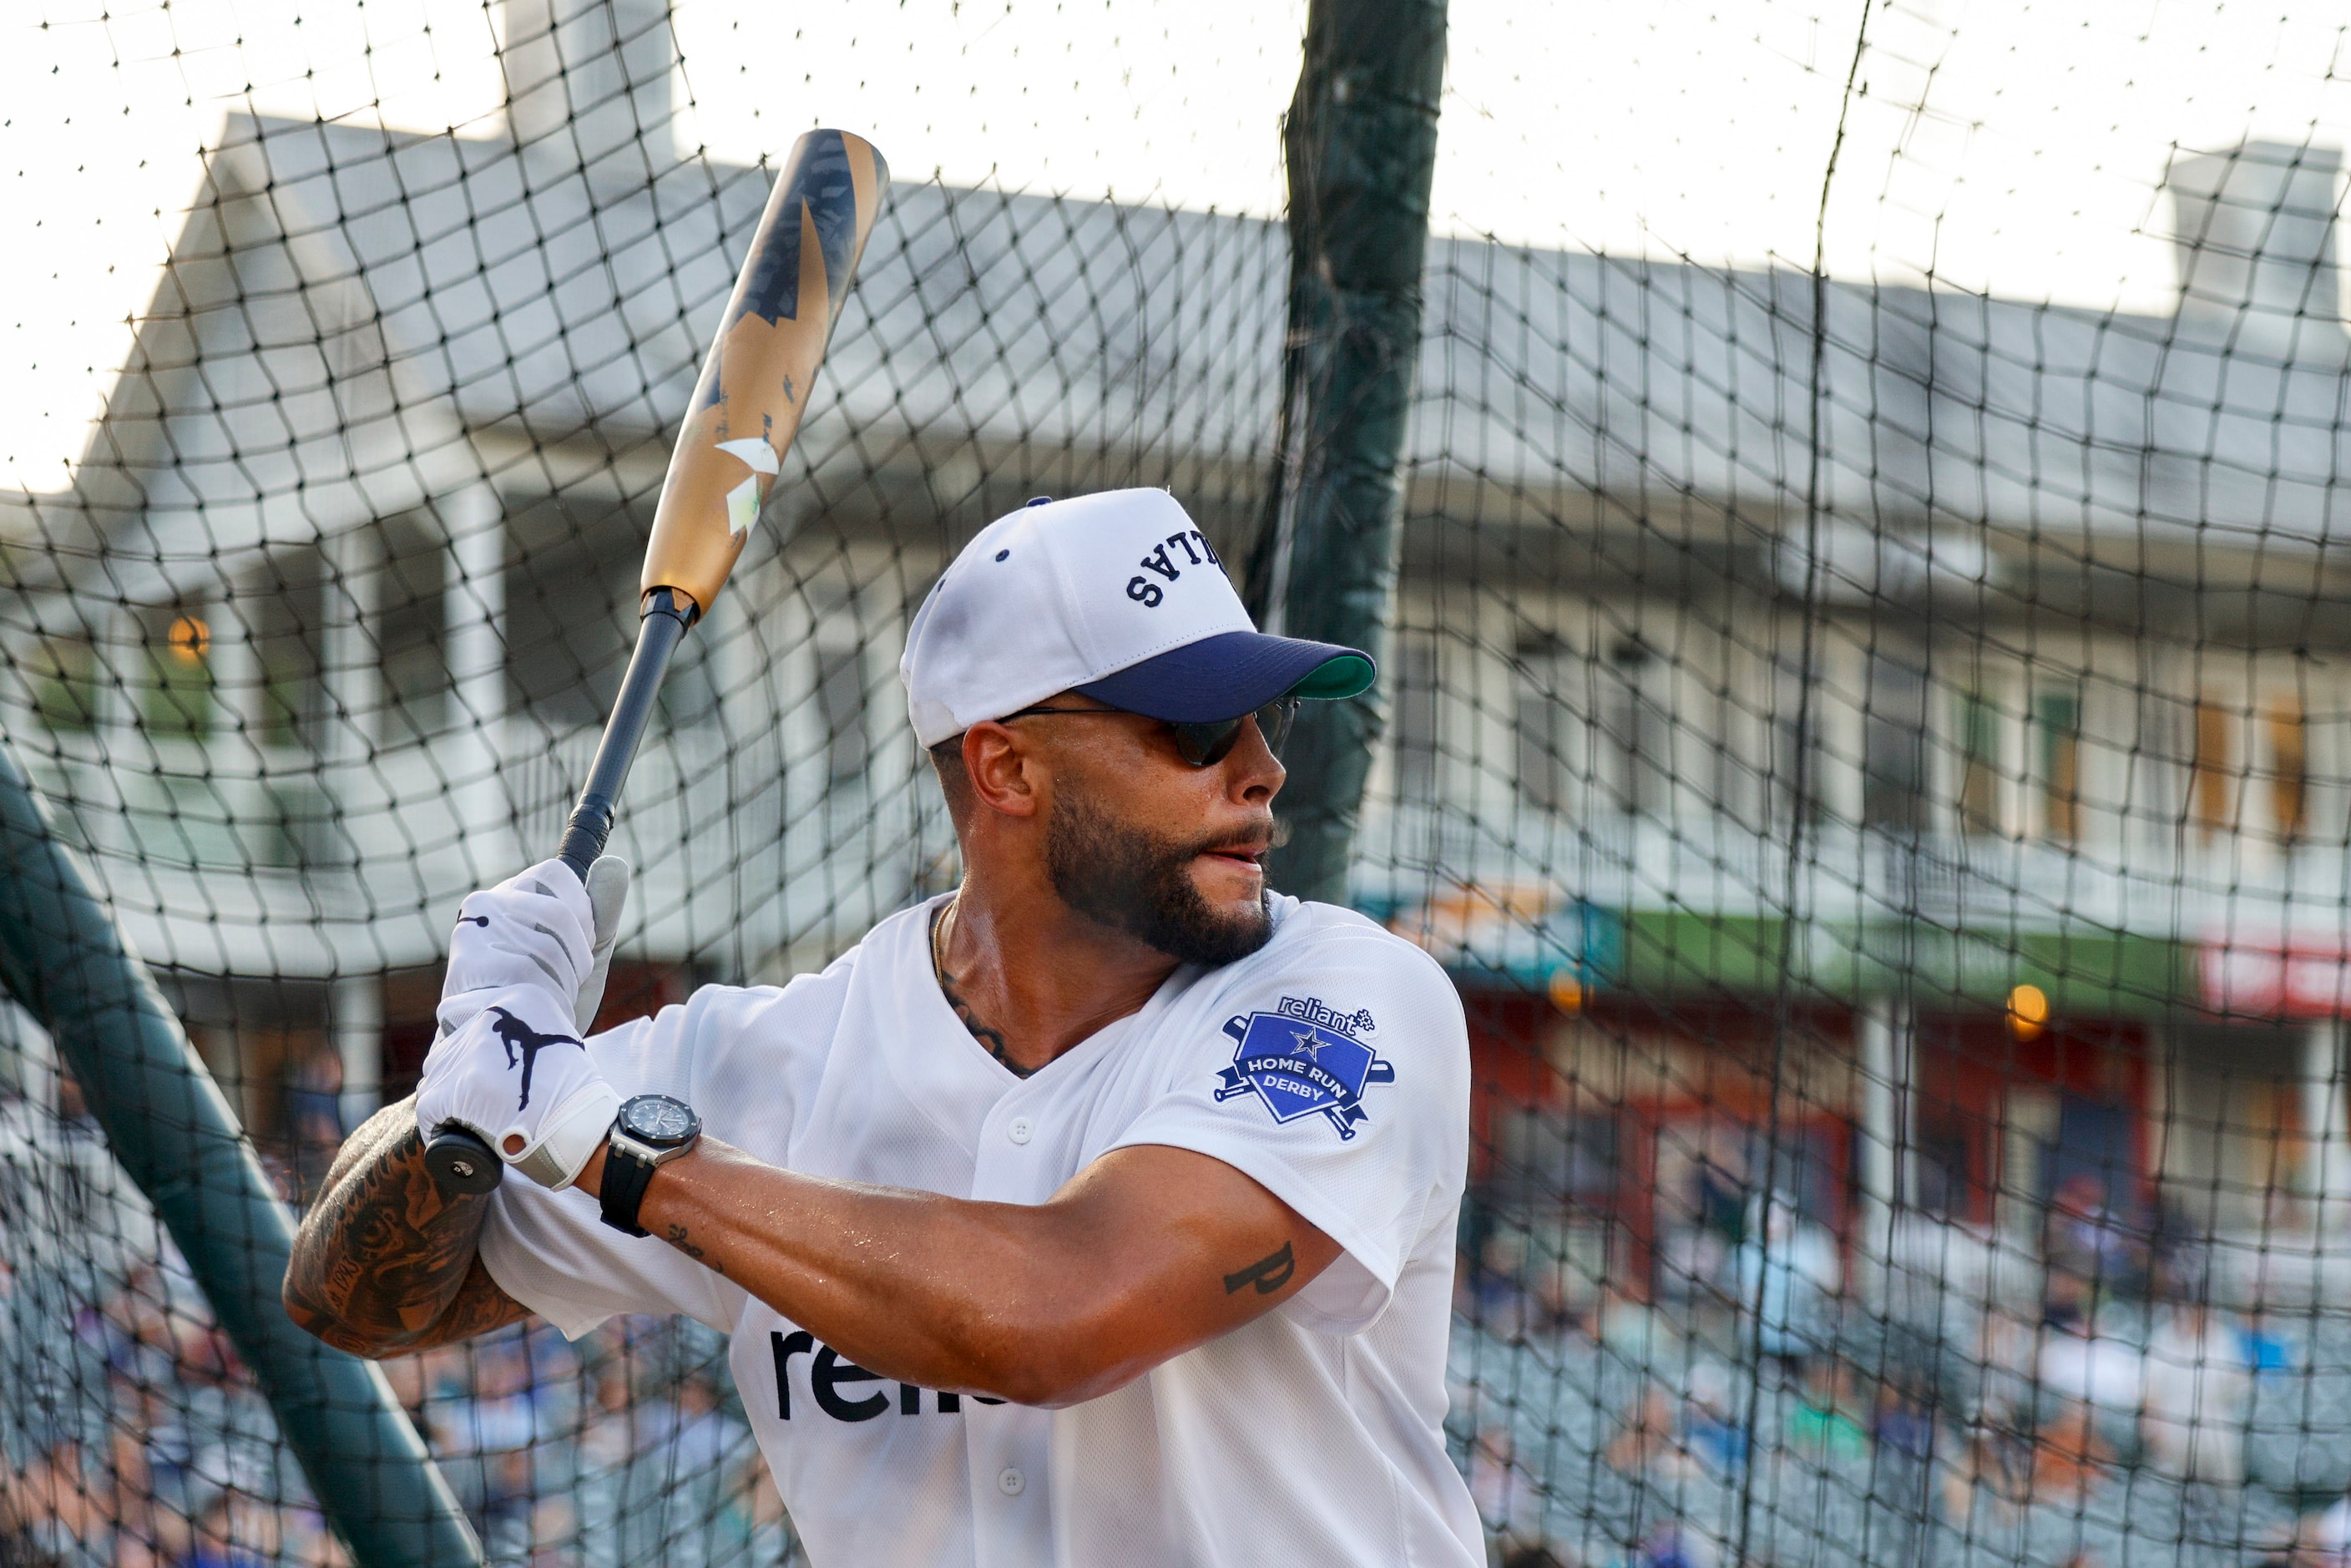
x,y
1303,1061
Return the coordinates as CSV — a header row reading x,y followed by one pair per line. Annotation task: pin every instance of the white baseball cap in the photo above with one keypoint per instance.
x,y
1116,595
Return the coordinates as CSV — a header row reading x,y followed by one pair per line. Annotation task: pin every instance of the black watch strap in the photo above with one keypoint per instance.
x,y
623,1188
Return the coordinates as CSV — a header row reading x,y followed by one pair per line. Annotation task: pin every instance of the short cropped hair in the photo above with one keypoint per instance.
x,y
954,779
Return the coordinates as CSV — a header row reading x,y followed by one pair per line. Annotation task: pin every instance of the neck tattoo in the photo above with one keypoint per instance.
x,y
992,1039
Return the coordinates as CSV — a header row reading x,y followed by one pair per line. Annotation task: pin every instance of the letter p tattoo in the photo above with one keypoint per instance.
x,y
1268,1274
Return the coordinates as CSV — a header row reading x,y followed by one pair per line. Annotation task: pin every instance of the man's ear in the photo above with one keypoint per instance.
x,y
1002,770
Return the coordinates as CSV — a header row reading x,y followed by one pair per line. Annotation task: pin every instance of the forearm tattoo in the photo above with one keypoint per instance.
x,y
1269,1273
385,1259
677,1239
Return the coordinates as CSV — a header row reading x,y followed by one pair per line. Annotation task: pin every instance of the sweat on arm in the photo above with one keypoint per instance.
x,y
1144,1254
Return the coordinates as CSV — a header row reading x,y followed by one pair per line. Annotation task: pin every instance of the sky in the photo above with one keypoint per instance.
x,y
2011,146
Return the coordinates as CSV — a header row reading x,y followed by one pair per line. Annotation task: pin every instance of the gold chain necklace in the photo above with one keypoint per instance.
x,y
938,938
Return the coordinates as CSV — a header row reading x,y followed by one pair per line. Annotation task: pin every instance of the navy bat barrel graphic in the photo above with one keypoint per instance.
x,y
744,411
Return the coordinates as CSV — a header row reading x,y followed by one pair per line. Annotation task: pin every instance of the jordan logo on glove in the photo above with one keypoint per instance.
x,y
513,1033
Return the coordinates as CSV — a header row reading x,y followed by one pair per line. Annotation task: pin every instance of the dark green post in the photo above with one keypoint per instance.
x,y
1361,143
62,958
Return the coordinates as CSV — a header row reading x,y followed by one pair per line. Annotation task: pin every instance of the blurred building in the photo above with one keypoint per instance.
x,y
325,632
1966,801
1925,819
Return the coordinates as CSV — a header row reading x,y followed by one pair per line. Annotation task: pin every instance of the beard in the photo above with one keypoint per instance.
x,y
1132,880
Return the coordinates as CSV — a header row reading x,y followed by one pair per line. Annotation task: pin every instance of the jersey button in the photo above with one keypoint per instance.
x,y
1021,1129
1010,1481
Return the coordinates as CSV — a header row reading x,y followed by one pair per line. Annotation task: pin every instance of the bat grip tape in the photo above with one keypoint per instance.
x,y
667,614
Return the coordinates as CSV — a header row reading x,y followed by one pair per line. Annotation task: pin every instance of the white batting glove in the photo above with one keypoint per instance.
x,y
608,895
541,929
515,1076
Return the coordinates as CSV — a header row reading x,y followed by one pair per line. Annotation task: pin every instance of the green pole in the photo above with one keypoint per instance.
x,y
1361,145
64,959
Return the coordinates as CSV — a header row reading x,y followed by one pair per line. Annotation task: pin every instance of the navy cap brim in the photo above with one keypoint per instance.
x,y
1231,673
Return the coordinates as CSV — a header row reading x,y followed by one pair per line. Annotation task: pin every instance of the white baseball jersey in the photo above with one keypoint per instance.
x,y
1332,1066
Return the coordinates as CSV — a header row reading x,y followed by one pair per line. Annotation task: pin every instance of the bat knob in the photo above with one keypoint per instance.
x,y
461,1162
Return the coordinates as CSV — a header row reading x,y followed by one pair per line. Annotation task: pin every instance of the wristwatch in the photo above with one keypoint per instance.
x,y
651,1131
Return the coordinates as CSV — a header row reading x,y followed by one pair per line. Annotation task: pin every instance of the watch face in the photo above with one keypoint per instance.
x,y
657,1119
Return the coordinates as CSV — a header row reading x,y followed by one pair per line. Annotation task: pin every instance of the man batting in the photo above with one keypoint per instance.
x,y
1102,1212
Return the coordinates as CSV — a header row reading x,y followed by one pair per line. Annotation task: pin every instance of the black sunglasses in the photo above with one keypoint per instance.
x,y
1206,744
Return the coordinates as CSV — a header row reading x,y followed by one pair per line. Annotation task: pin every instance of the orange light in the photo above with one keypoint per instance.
x,y
2028,1011
190,640
1566,991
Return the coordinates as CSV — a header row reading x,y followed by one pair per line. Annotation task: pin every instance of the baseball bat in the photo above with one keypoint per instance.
x,y
746,409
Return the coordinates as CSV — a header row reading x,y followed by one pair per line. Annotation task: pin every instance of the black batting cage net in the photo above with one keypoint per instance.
x,y
1866,706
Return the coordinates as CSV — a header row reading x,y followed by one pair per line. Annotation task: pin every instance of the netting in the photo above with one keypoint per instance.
x,y
1868,720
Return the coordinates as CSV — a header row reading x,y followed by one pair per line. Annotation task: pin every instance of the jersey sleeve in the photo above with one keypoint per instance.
x,y
1338,1080
552,1251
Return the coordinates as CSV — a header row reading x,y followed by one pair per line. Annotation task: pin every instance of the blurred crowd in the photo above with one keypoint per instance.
x,y
150,1448
131,1435
1765,1413
1749,1398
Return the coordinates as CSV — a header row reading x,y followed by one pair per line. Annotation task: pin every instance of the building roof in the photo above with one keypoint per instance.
x,y
346,304
347,308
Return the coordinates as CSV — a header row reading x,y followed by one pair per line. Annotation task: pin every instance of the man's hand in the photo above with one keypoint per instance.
x,y
607,893
515,1076
539,929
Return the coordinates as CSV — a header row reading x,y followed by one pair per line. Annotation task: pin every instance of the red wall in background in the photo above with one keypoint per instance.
x,y
1966,1066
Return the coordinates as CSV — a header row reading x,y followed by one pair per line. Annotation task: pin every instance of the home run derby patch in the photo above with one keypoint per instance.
x,y
1303,1061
